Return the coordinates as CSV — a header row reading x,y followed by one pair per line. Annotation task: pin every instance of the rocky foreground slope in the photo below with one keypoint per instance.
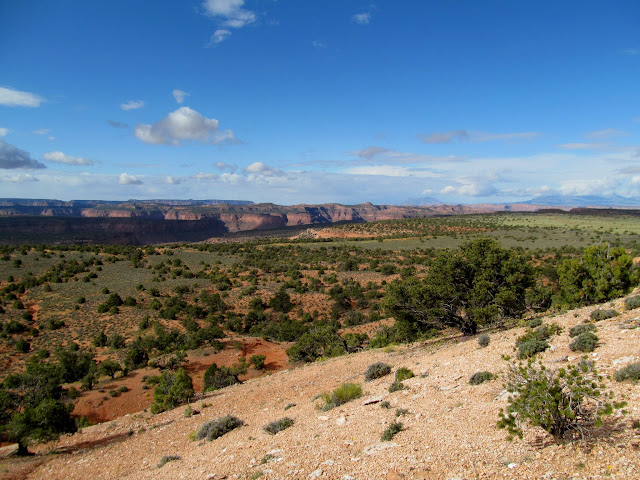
x,y
449,425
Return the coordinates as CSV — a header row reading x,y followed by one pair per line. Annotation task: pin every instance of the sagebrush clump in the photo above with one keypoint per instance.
x,y
403,373
582,328
392,430
632,303
481,377
377,370
278,425
343,394
603,314
630,372
585,342
218,427
484,340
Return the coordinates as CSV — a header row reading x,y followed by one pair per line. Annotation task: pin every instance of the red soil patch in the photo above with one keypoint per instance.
x,y
99,406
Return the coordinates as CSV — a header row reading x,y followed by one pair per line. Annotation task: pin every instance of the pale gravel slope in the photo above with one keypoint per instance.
x,y
449,431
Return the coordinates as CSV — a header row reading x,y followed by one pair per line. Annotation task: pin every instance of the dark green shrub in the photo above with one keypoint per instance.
x,y
218,427
531,347
483,340
582,328
278,425
219,377
172,390
168,458
385,404
391,431
257,361
343,394
559,401
630,372
601,314
481,377
535,341
632,303
23,346
377,370
395,386
403,373
534,322
585,342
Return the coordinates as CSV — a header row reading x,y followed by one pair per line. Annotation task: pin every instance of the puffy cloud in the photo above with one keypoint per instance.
x,y
115,124
4,132
180,95
12,157
183,124
173,180
132,105
206,176
18,178
230,12
126,179
59,157
16,98
225,166
263,169
362,18
219,36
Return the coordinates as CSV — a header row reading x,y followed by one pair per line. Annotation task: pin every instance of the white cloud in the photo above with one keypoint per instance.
x,y
631,51
183,124
219,36
206,176
16,98
59,157
18,178
582,146
318,44
380,154
390,171
225,166
362,18
42,131
230,14
12,157
606,133
132,105
474,136
263,169
4,132
448,190
180,95
126,179
444,137
173,180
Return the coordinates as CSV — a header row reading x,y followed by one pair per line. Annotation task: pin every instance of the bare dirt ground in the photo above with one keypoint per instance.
x,y
449,427
99,406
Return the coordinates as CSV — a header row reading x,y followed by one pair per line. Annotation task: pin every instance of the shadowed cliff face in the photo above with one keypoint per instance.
x,y
136,223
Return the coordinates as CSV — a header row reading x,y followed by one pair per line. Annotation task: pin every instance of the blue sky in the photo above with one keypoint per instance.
x,y
319,101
